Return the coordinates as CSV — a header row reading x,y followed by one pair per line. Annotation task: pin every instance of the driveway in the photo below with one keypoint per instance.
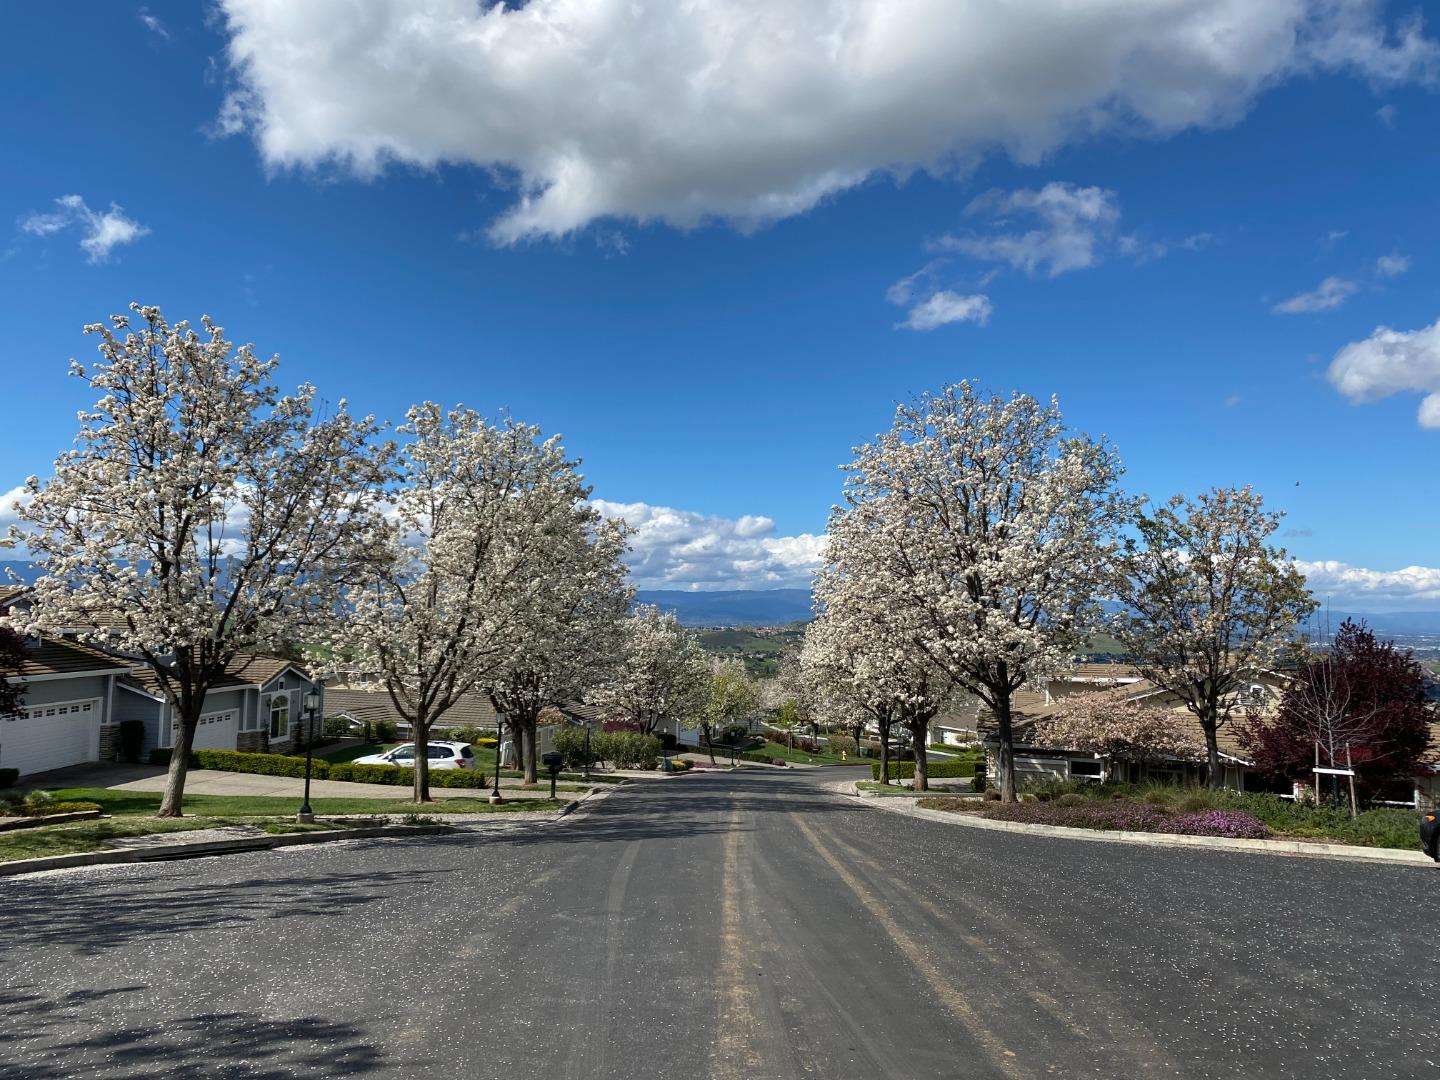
x,y
733,926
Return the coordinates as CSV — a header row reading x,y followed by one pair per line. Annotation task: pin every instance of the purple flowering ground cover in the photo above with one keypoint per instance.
x,y
1128,816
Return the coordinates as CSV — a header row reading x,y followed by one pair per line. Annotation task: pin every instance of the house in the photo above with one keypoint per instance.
x,y
257,706
367,706
1034,759
67,717
77,696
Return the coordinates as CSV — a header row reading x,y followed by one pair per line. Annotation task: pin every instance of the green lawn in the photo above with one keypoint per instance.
x,y
136,803
784,753
132,815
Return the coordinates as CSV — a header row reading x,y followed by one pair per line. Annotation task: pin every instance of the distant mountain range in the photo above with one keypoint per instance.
x,y
754,607
777,607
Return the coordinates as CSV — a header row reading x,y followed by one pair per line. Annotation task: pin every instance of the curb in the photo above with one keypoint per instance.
x,y
1291,848
163,852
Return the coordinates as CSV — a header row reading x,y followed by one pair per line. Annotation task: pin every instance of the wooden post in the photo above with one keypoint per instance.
x,y
1354,808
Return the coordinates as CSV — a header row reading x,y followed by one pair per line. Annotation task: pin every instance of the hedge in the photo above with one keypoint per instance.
x,y
283,765
938,770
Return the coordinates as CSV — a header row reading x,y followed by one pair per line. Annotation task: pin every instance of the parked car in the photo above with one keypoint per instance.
x,y
442,755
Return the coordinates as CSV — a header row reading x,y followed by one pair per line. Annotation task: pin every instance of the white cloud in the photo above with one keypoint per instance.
x,y
1072,223
1387,115
100,232
1197,241
153,23
9,509
944,307
1392,265
749,111
1354,587
680,549
1392,362
1329,294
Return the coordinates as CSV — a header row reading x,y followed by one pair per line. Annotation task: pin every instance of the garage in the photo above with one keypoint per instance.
x,y
51,736
215,731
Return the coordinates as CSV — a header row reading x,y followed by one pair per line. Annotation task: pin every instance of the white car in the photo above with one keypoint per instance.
x,y
442,755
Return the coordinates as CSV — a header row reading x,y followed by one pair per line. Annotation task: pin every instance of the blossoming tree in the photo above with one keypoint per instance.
x,y
999,528
1206,602
662,672
1118,728
200,515
869,644
471,553
568,639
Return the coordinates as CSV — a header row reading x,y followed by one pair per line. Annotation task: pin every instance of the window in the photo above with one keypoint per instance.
x,y
280,716
405,753
1087,769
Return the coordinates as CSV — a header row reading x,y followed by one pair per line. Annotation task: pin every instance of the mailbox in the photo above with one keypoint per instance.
x,y
553,761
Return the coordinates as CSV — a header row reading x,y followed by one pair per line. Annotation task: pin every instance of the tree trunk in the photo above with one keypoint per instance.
x,y
884,727
1005,729
709,742
421,732
172,802
920,736
1215,780
532,775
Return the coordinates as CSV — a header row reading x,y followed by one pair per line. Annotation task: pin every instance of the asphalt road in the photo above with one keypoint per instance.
x,y
746,925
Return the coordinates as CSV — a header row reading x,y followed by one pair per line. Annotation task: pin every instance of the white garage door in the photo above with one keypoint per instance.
x,y
216,731
51,736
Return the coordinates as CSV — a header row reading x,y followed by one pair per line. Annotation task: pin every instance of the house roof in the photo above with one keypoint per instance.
x,y
50,657
8,594
248,669
472,710
1030,708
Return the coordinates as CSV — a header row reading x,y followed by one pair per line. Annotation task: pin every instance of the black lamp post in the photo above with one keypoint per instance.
x,y
495,796
312,706
587,749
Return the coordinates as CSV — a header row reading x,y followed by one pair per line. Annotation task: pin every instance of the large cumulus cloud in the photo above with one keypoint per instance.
x,y
681,549
750,111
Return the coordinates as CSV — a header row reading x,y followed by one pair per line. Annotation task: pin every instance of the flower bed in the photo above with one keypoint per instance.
x,y
1125,815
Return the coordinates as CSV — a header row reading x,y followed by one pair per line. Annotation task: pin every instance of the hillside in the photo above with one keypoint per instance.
x,y
756,607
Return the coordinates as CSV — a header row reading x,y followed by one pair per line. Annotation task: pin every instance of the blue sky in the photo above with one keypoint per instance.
x,y
694,277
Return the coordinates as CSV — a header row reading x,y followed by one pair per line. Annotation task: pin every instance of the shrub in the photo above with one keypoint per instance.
x,y
1157,798
570,741
991,795
8,777
44,809
1234,823
1071,799
679,764
938,770
1192,804
625,749
335,726
838,744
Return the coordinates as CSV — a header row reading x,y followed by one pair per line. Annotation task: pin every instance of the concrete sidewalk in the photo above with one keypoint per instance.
x,y
215,782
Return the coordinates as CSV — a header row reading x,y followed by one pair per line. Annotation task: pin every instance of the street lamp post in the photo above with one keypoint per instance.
x,y
312,706
587,749
495,796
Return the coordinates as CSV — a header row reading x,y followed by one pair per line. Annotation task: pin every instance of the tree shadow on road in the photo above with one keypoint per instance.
x,y
122,911
95,1033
